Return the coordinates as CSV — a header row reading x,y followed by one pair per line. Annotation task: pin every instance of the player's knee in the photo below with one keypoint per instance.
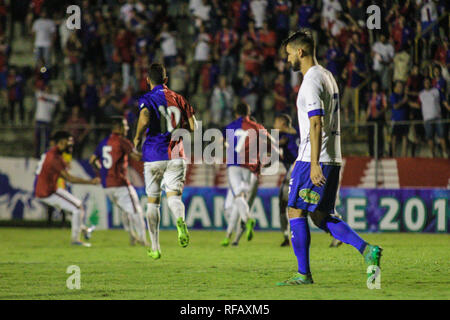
x,y
319,219
241,202
154,200
296,213
175,204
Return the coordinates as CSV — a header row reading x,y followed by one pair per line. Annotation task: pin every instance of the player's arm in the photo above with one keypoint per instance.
x,y
72,179
192,123
315,136
136,155
144,120
94,161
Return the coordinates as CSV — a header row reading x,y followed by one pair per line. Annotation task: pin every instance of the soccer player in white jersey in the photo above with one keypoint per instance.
x,y
315,178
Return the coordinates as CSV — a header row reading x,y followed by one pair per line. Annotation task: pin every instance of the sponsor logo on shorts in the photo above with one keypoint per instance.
x,y
309,196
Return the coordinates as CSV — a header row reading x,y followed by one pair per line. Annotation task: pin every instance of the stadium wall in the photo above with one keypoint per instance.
x,y
401,209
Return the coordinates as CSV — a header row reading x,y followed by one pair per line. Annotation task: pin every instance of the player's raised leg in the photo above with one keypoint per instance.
x,y
174,178
231,215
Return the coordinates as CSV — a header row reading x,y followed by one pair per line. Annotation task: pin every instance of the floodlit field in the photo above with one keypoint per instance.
x,y
33,264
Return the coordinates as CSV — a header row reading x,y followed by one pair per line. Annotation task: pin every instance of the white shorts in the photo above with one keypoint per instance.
x,y
63,200
241,179
125,198
168,175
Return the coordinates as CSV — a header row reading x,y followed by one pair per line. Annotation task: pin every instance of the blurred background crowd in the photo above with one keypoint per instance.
x,y
220,52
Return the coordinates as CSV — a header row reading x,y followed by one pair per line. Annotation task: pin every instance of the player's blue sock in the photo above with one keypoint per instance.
x,y
301,239
342,231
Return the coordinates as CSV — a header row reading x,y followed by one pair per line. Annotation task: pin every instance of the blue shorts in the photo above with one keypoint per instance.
x,y
303,194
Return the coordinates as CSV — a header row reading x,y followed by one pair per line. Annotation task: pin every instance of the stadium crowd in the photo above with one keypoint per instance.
x,y
220,52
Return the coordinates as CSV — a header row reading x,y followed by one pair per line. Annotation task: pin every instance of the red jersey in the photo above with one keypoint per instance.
x,y
241,141
113,154
47,173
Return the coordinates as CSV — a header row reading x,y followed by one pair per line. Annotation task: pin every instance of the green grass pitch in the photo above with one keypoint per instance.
x,y
33,264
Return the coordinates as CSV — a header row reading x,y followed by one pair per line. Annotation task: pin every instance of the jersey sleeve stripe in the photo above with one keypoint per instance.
x,y
316,112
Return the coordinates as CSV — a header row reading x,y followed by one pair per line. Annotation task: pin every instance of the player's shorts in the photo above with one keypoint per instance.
x,y
303,194
284,188
240,179
63,200
125,198
168,175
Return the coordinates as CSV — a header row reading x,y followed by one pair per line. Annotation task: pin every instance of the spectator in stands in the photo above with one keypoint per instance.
x,y
90,99
123,45
429,103
201,13
402,64
251,58
399,105
282,10
222,102
168,46
72,95
334,57
16,95
226,41
258,12
202,52
281,93
247,93
78,128
179,76
383,55
353,76
306,15
376,115
330,9
44,36
268,40
110,104
46,109
412,90
73,51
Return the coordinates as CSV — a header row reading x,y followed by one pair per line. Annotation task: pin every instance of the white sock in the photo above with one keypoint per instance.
x,y
153,218
138,223
243,209
176,206
76,225
125,220
232,219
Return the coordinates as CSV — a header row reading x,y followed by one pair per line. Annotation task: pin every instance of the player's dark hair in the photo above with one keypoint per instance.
x,y
116,121
286,118
301,39
157,73
242,109
60,135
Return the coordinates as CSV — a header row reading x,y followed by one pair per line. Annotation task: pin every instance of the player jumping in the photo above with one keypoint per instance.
x,y
161,112
315,177
243,166
111,159
50,168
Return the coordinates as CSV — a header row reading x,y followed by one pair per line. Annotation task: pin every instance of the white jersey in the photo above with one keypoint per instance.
x,y
319,95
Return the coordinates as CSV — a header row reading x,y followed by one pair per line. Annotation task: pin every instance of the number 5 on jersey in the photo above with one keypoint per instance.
x,y
106,156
